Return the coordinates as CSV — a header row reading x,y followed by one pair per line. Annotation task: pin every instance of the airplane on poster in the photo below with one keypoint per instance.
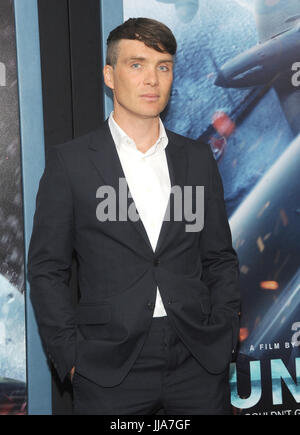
x,y
273,59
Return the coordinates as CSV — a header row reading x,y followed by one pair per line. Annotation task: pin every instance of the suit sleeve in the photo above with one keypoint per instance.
x,y
49,264
219,259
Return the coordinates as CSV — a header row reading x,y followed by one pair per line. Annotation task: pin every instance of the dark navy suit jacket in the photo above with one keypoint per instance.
x,y
118,272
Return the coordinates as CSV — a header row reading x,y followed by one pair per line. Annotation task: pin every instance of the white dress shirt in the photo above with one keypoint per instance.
x,y
147,176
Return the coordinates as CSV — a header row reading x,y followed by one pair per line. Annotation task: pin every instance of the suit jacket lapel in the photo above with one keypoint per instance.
x,y
177,164
104,157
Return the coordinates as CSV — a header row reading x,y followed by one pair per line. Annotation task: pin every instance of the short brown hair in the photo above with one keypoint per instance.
x,y
152,33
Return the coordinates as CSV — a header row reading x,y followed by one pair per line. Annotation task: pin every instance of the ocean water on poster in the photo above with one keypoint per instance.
x,y
12,332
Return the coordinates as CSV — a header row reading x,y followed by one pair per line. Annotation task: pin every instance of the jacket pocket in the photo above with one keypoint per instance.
x,y
97,314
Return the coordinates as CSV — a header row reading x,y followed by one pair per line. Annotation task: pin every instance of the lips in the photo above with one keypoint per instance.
x,y
150,97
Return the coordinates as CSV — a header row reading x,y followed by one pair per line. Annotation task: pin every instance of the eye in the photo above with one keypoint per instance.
x,y
136,66
163,68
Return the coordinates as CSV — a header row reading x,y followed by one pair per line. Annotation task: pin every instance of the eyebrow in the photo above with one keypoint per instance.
x,y
130,59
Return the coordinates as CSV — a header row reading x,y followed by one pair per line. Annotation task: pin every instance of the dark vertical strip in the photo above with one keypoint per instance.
x,y
72,95
58,115
86,70
56,70
70,66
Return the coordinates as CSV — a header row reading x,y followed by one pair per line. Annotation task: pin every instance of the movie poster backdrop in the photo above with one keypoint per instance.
x,y
12,310
237,86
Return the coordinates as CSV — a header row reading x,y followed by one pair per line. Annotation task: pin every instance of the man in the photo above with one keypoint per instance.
x,y
157,318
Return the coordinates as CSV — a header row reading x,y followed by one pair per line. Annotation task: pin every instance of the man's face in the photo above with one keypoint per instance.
x,y
141,79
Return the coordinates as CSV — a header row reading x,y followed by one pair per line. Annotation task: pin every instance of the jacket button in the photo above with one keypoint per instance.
x,y
156,262
150,305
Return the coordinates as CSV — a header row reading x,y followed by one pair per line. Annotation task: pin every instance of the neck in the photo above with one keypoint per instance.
x,y
143,131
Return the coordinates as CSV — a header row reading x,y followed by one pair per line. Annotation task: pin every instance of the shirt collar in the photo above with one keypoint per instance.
x,y
123,141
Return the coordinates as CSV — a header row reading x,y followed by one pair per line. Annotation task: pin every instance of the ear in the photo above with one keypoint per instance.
x,y
108,74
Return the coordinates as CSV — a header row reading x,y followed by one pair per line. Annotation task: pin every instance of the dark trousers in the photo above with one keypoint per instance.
x,y
164,376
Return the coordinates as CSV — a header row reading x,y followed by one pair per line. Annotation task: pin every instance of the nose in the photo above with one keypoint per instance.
x,y
151,77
